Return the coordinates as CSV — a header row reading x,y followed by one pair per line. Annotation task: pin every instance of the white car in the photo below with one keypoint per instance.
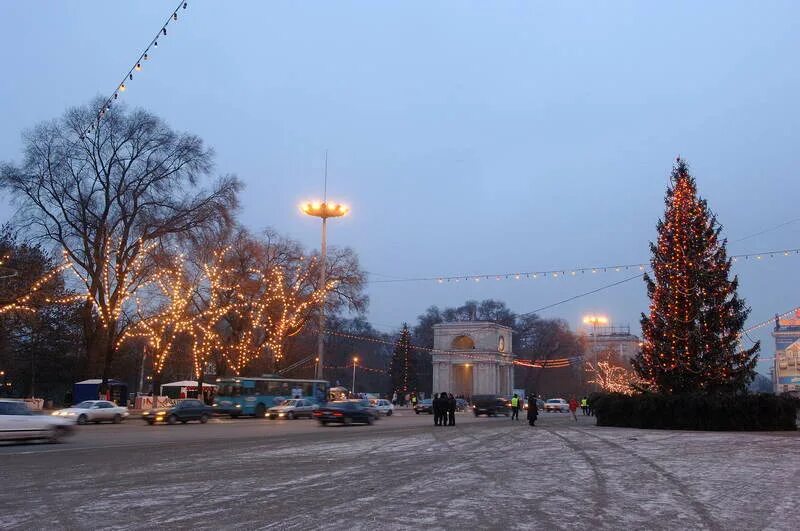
x,y
384,407
94,411
557,404
18,422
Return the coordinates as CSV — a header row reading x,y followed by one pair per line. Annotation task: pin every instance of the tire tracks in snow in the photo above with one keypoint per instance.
x,y
600,495
681,489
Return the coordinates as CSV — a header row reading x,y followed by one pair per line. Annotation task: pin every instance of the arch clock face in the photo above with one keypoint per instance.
x,y
501,344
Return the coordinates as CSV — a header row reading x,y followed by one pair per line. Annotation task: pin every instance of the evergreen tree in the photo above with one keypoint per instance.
x,y
404,365
692,334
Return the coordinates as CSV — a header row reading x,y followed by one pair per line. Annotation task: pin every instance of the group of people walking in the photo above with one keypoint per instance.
x,y
444,410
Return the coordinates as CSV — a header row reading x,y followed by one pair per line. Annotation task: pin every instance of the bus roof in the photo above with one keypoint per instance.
x,y
268,379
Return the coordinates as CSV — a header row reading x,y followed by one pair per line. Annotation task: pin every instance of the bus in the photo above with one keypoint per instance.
x,y
238,396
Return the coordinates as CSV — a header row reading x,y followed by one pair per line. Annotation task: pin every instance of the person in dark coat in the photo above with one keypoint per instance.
x,y
451,410
436,405
533,411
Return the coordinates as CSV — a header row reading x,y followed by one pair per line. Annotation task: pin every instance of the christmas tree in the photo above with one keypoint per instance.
x,y
691,337
404,365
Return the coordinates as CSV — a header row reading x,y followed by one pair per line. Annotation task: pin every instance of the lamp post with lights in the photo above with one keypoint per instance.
x,y
323,210
595,320
355,362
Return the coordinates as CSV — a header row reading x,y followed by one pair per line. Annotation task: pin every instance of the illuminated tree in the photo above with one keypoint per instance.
x,y
613,378
696,317
403,370
104,198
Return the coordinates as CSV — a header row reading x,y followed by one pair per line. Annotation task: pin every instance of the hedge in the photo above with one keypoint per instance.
x,y
754,412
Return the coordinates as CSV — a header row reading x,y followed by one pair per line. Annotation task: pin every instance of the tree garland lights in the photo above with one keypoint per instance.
x,y
613,378
696,316
136,67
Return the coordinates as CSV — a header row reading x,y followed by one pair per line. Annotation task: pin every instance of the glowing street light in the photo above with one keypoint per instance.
x,y
355,362
323,210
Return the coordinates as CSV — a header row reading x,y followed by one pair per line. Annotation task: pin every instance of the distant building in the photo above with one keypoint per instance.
x,y
616,338
786,368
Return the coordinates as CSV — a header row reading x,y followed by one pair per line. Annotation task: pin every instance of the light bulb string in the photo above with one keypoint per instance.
x,y
565,272
144,56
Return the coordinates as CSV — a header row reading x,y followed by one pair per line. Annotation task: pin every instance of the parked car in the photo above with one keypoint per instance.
x,y
345,412
557,404
18,422
96,411
293,409
384,407
424,406
490,405
184,411
461,404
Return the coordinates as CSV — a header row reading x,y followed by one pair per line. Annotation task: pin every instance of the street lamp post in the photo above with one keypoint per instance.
x,y
595,320
355,362
323,210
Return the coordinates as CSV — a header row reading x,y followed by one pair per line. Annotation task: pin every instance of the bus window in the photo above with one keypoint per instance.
x,y
229,389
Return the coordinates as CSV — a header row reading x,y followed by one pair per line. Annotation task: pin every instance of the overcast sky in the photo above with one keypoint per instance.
x,y
468,137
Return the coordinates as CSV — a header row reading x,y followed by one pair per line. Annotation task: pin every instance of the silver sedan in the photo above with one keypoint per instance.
x,y
94,411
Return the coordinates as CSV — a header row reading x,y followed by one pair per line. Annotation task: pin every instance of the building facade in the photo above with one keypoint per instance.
x,y
472,358
613,338
786,368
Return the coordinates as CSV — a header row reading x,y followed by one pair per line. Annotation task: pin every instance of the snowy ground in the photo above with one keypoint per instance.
x,y
481,474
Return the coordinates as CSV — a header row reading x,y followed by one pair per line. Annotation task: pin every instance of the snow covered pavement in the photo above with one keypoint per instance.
x,y
482,474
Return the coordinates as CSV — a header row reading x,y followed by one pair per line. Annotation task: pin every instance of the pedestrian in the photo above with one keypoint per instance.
x,y
585,405
436,406
451,410
444,405
573,407
394,398
515,407
413,401
533,412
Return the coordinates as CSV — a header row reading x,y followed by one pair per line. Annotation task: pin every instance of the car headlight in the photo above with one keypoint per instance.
x,y
238,405
281,414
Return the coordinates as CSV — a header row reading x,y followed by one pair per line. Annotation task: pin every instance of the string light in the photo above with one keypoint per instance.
x,y
569,272
137,66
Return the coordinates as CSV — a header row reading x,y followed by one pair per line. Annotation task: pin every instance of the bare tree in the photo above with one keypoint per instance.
x,y
107,197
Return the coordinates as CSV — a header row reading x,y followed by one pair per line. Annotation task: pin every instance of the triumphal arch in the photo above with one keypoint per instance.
x,y
472,358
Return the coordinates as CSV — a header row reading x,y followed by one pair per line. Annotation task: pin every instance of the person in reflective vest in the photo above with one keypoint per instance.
x,y
585,405
515,407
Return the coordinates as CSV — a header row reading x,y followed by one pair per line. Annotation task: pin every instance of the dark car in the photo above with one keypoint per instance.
x,y
424,406
345,412
490,405
461,404
185,411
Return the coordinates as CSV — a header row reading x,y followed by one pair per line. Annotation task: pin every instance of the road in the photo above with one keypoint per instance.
x,y
401,473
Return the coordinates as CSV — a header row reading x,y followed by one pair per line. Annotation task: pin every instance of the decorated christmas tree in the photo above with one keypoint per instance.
x,y
404,365
691,336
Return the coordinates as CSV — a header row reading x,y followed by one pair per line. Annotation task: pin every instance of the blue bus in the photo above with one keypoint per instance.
x,y
254,396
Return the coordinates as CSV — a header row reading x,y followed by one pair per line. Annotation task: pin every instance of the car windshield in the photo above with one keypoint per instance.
x,y
291,403
554,401
86,404
426,401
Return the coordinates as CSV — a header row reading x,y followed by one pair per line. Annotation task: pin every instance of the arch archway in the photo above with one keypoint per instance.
x,y
462,342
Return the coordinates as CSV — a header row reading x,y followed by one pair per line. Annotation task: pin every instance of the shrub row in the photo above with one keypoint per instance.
x,y
696,411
